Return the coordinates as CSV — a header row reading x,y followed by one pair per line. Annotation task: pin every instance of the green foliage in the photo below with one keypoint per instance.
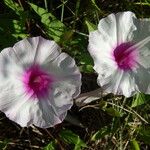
x,y
11,31
113,112
3,144
53,27
144,134
12,27
69,22
138,100
90,26
72,138
50,146
134,145
101,133
86,63
14,6
95,5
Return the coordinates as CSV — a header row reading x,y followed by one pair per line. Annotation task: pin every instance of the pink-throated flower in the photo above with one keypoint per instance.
x,y
121,51
38,82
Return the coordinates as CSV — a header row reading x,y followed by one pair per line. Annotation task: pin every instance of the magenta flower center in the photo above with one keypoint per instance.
x,y
37,82
126,56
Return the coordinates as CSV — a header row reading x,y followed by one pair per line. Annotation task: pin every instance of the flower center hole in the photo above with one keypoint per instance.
x,y
125,56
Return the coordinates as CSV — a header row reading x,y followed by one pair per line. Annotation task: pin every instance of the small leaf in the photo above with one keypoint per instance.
x,y
72,138
90,26
101,133
50,146
134,145
139,100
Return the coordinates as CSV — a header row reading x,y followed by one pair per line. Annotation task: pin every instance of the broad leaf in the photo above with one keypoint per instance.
x,y
53,27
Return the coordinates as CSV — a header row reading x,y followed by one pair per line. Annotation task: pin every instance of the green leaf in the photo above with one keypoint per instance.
x,y
139,100
90,26
113,112
53,27
72,138
101,133
14,6
134,145
50,146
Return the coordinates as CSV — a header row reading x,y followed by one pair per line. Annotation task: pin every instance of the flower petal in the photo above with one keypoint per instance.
x,y
36,49
26,110
99,46
142,79
119,83
25,51
46,50
8,66
143,29
67,73
67,84
144,56
117,28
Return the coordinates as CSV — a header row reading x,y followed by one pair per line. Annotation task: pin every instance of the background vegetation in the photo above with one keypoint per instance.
x,y
110,123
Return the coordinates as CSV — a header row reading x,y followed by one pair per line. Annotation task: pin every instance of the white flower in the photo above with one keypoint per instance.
x,y
121,52
38,82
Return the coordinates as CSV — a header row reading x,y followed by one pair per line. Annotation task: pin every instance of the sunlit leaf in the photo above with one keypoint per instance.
x,y
139,100
90,26
53,27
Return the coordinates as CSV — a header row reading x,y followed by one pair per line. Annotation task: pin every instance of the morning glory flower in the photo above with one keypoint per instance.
x,y
121,51
38,82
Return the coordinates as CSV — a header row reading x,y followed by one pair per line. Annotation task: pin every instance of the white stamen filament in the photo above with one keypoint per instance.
x,y
140,44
